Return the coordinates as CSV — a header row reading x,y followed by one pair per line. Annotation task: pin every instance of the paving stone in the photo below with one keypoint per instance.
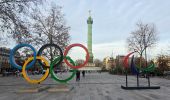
x,y
94,86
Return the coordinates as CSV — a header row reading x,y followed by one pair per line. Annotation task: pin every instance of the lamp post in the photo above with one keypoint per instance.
x,y
51,42
148,76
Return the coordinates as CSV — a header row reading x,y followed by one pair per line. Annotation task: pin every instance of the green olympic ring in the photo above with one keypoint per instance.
x,y
54,76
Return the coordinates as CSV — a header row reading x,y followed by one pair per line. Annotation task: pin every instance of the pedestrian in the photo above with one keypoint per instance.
x,y
17,73
78,76
83,73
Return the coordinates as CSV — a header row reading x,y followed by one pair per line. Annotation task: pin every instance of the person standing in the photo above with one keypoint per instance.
x,y
78,76
83,73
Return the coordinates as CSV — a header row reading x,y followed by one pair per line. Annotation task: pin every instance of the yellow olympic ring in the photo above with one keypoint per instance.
x,y
42,78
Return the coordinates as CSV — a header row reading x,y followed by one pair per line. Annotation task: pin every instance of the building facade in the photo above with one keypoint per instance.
x,y
119,60
4,60
109,63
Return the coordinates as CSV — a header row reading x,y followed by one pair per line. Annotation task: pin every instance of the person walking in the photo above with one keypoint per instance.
x,y
78,76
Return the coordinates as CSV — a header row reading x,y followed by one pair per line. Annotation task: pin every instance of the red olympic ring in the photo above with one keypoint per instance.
x,y
74,45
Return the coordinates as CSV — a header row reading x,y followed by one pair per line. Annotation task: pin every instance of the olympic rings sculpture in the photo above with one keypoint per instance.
x,y
44,63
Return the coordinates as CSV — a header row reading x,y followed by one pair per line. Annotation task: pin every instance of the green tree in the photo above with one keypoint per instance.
x,y
163,61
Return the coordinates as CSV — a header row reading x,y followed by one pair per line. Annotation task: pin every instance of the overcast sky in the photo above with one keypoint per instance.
x,y
114,20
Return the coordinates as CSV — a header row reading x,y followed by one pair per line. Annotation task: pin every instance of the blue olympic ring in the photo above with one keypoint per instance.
x,y
12,58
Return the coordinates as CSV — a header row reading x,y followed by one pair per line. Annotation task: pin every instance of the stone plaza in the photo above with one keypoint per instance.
x,y
95,86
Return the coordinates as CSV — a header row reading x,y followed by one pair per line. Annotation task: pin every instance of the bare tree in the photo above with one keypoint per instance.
x,y
79,61
49,28
98,63
12,23
145,36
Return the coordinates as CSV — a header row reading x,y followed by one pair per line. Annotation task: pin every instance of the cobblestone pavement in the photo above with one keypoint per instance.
x,y
94,86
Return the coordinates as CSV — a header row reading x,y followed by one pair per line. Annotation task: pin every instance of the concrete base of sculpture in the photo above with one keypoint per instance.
x,y
60,88
90,65
140,87
32,89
